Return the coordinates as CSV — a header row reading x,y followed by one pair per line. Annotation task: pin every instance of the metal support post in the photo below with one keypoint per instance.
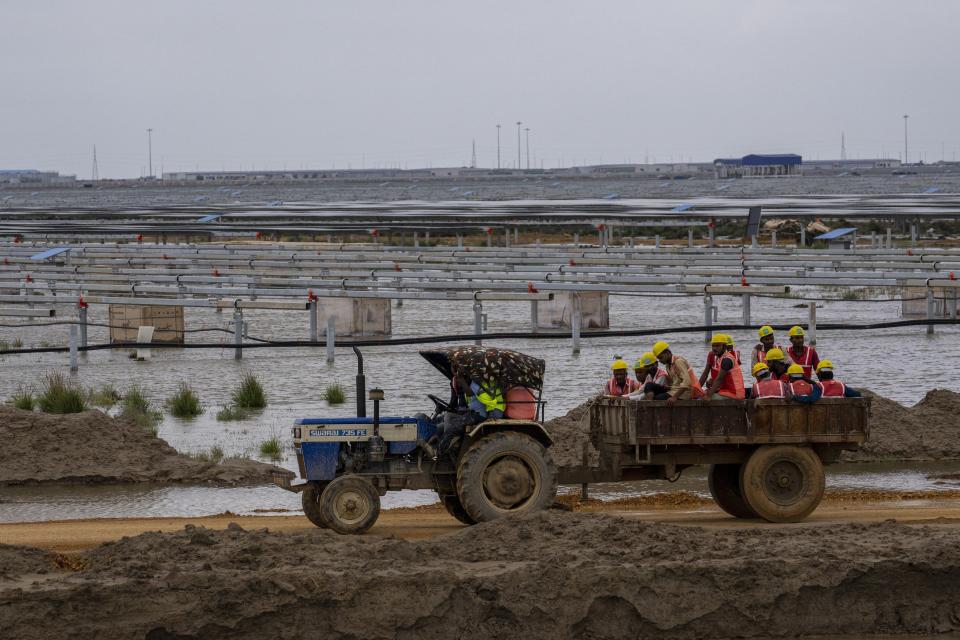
x,y
708,312
753,241
953,304
873,239
812,324
803,236
656,241
82,312
416,239
426,238
506,237
931,305
534,315
773,238
711,237
601,237
575,319
889,238
913,235
576,238
490,239
516,235
478,321
331,338
459,241
314,337
745,303
237,334
74,339
690,238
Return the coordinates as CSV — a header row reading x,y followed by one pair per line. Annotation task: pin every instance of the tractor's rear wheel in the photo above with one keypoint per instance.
x,y
349,504
724,481
311,503
505,473
455,508
783,483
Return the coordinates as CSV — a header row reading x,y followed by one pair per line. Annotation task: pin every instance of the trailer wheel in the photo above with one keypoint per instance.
x,y
505,473
783,483
311,503
349,504
724,481
455,508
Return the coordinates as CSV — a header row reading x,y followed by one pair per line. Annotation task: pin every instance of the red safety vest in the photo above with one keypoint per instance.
x,y
762,355
736,354
732,385
801,387
805,359
659,378
832,389
770,389
612,388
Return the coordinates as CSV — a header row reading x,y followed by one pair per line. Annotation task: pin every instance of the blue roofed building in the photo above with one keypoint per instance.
x,y
757,165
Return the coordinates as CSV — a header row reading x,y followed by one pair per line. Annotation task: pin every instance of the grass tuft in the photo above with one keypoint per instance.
x,y
250,394
271,449
335,394
61,396
231,412
106,396
185,403
23,399
214,455
136,407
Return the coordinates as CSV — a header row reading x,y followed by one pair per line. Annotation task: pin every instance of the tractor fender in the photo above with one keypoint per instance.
x,y
533,429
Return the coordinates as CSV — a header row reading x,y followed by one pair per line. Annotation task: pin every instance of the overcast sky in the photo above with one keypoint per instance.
x,y
231,84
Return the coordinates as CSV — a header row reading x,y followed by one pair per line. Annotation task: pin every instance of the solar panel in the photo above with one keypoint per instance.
x,y
836,233
49,253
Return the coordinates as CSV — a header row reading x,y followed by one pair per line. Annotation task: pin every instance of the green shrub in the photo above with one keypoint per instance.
x,y
184,403
61,396
271,449
23,399
17,343
250,394
231,412
106,396
334,394
136,407
215,455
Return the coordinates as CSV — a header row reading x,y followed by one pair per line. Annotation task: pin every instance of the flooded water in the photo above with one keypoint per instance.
x,y
294,380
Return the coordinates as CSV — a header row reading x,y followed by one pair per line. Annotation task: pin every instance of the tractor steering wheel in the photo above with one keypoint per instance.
x,y
439,406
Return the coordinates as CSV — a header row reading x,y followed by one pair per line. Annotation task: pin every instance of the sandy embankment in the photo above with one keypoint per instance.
x,y
549,575
90,447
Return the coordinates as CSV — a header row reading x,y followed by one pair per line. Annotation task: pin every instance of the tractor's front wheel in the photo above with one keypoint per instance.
x,y
505,473
349,504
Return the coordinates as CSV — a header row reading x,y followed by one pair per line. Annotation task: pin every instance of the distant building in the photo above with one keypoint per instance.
x,y
865,164
757,165
32,177
650,170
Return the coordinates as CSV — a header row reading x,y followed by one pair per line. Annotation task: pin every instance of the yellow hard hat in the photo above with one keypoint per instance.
x,y
824,364
659,348
765,330
759,368
775,355
645,361
619,364
796,330
729,340
719,338
794,370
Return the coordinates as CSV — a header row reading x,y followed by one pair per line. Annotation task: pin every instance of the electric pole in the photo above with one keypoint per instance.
x,y
843,146
150,150
498,146
518,144
528,146
905,147
473,155
95,174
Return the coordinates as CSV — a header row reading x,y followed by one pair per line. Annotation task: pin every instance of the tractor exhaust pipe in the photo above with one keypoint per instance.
x,y
361,386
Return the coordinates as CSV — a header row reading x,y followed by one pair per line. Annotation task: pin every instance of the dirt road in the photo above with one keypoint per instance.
x,y
68,536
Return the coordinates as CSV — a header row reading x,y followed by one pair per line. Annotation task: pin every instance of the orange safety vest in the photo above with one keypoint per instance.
x,y
805,359
801,387
832,389
612,388
762,355
770,389
732,385
659,378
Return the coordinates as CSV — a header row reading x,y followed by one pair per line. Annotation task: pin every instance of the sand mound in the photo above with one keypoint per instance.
x,y
549,575
93,447
570,433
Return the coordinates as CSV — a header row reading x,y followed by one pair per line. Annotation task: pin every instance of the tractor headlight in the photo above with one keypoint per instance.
x,y
296,433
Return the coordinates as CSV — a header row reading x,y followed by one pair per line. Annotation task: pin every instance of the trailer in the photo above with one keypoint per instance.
x,y
766,456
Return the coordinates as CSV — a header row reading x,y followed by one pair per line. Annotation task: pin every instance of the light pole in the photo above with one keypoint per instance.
x,y
905,147
518,143
150,150
528,146
498,145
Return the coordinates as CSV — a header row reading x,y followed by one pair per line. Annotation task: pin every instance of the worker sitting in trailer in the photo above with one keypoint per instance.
x,y
768,386
767,342
731,348
680,382
800,384
727,378
827,386
620,383
718,346
802,354
777,363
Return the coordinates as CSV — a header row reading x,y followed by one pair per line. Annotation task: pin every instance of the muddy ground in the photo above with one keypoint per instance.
x,y
41,448
549,575
929,430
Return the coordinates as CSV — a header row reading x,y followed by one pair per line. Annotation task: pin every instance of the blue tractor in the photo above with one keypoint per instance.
x,y
482,467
